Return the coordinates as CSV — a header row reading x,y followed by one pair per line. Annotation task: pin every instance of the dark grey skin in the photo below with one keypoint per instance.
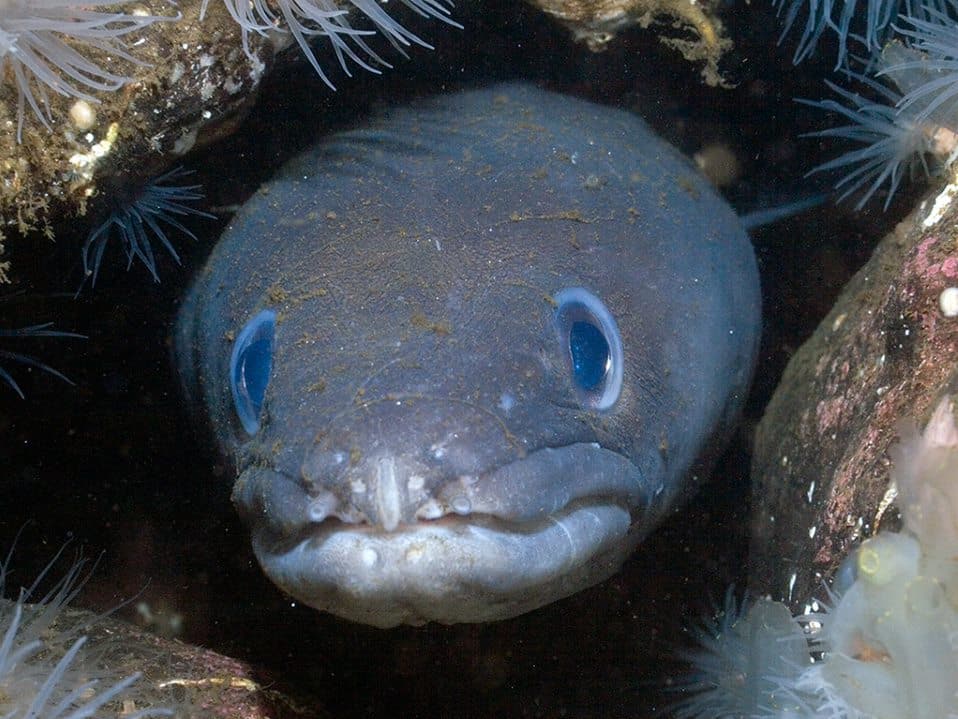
x,y
423,452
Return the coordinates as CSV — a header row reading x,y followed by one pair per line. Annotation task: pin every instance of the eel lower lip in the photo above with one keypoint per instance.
x,y
448,572
503,558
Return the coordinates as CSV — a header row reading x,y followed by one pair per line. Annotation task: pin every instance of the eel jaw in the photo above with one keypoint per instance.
x,y
538,529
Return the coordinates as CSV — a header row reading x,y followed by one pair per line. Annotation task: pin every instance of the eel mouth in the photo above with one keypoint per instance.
x,y
478,549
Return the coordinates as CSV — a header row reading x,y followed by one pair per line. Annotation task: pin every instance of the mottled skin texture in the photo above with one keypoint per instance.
x,y
422,452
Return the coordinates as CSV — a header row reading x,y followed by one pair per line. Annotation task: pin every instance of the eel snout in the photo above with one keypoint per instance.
x,y
387,539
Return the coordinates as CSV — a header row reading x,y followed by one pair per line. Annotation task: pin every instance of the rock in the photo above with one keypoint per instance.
x,y
885,353
182,83
187,680
597,22
189,85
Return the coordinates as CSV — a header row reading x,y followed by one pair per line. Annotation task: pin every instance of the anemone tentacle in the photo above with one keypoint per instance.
x,y
41,330
930,77
867,28
891,143
47,672
138,221
33,45
306,19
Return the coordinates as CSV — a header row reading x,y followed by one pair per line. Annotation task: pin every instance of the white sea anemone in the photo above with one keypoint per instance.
x,y
867,23
886,645
927,69
306,19
43,46
46,673
746,665
891,143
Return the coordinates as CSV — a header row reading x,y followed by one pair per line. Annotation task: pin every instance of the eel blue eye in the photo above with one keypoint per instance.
x,y
590,354
250,365
590,339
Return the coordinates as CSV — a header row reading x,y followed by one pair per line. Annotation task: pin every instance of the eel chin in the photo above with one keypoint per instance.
x,y
537,529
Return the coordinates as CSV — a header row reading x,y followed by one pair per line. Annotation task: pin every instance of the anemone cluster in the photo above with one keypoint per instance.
x,y
52,45
78,51
886,644
902,58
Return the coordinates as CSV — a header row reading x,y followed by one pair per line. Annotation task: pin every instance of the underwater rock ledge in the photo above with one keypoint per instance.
x,y
189,85
90,116
198,682
60,662
885,352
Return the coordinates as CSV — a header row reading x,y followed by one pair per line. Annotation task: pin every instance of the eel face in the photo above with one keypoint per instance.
x,y
467,357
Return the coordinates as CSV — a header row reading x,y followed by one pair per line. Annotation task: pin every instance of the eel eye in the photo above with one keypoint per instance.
x,y
591,342
250,365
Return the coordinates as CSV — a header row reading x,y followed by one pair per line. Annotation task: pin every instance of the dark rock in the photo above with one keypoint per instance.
x,y
886,352
190,681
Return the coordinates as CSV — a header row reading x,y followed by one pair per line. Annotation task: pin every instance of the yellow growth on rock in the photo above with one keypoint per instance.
x,y
596,22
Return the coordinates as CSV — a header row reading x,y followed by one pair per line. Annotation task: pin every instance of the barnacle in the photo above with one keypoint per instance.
x,y
306,19
139,219
38,50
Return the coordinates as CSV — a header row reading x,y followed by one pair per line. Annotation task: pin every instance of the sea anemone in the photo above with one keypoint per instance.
x,y
887,646
42,330
138,220
868,28
746,664
49,673
927,69
892,142
37,49
304,19
845,18
914,116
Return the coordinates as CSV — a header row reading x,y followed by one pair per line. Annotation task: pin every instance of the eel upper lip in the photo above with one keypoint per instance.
x,y
547,481
542,484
